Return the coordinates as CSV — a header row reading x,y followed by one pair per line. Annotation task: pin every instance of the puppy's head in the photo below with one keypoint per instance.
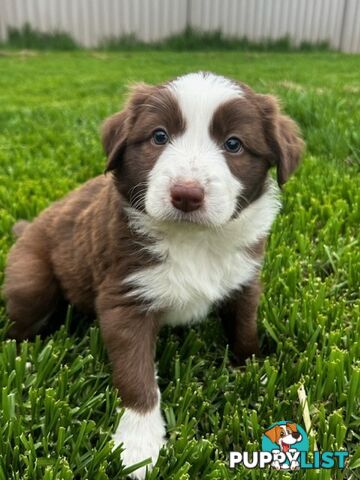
x,y
198,149
284,435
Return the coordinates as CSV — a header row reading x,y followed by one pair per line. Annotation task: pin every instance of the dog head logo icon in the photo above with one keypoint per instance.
x,y
285,440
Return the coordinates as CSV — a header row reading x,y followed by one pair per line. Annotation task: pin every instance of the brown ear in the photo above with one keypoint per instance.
x,y
114,134
291,147
116,128
282,136
273,433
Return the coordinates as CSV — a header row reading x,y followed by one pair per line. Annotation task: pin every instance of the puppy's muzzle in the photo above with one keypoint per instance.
x,y
187,196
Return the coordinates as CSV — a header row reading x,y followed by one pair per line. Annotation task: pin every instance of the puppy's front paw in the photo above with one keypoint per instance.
x,y
142,436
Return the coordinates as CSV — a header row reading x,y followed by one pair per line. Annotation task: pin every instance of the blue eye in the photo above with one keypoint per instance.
x,y
233,145
160,137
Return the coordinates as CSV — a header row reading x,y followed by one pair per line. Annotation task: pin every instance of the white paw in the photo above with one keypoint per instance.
x,y
142,436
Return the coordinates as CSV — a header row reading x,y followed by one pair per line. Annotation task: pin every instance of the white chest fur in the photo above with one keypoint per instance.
x,y
199,266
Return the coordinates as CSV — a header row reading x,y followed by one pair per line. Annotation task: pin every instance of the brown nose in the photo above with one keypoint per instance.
x,y
187,196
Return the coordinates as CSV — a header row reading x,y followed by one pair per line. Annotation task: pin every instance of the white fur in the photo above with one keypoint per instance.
x,y
142,436
200,265
194,155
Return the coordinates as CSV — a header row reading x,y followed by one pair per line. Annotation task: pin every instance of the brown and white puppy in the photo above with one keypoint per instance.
x,y
178,228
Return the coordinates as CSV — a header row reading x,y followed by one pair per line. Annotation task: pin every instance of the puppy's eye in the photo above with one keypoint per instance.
x,y
233,145
160,137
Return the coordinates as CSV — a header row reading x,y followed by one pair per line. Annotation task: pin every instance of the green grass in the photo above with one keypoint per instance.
x,y
28,38
57,413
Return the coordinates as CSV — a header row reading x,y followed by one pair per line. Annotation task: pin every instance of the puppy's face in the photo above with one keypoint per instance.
x,y
284,435
198,148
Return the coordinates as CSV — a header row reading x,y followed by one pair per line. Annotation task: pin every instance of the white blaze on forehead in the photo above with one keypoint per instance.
x,y
200,94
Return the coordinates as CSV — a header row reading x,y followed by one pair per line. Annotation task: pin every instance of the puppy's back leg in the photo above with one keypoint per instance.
x,y
31,290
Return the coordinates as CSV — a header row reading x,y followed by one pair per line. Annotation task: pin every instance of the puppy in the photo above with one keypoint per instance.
x,y
285,436
177,227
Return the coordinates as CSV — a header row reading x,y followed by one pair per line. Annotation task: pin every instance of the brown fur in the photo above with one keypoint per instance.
x,y
127,135
282,136
269,138
81,248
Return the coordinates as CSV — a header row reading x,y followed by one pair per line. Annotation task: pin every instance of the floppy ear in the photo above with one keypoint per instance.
x,y
116,128
282,136
114,134
273,434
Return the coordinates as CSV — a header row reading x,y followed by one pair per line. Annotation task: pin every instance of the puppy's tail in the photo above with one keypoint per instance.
x,y
20,227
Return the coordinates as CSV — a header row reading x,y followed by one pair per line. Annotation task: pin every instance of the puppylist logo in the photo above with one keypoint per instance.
x,y
285,446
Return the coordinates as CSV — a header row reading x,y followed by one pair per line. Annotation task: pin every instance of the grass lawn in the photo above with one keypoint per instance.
x,y
58,411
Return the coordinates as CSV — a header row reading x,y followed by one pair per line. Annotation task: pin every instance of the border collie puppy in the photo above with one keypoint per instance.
x,y
176,229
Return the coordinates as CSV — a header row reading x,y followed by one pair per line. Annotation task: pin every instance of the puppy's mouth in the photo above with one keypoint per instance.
x,y
198,217
285,446
189,202
201,217
296,437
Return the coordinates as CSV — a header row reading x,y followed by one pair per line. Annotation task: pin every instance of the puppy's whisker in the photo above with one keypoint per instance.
x,y
137,195
137,198
138,203
138,185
